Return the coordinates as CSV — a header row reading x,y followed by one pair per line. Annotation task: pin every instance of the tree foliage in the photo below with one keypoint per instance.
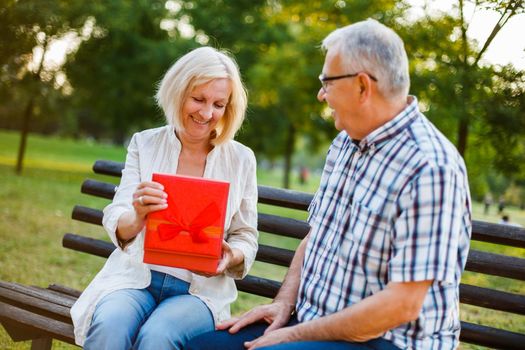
x,y
124,48
115,72
473,102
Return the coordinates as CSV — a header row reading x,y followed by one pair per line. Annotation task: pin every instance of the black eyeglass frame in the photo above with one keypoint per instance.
x,y
324,79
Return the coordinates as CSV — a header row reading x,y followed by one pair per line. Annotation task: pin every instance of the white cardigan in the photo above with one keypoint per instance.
x,y
157,150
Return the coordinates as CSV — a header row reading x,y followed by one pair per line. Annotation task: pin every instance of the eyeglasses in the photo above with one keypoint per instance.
x,y
324,80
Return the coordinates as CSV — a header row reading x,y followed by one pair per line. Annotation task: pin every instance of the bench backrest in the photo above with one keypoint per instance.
x,y
482,262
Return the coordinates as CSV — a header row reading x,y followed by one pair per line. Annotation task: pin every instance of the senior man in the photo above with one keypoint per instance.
x,y
390,222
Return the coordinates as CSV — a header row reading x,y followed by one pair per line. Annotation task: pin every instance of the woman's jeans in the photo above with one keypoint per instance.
x,y
162,316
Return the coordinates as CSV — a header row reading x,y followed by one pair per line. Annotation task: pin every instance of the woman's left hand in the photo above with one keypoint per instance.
x,y
230,257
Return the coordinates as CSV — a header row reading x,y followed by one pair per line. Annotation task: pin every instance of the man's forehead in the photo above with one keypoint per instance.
x,y
332,62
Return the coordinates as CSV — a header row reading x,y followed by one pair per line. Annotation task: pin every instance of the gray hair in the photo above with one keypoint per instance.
x,y
198,67
371,47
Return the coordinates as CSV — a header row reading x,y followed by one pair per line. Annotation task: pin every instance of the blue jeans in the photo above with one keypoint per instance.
x,y
161,316
218,340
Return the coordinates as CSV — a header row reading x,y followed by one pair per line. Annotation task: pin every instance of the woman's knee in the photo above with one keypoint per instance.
x,y
174,322
116,320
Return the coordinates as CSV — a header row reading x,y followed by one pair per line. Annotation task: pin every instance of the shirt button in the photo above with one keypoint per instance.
x,y
307,304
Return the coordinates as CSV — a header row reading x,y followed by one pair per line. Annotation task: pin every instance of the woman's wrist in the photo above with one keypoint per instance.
x,y
237,257
129,226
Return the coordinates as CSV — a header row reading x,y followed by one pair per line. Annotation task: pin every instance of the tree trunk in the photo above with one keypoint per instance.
x,y
23,135
462,136
463,119
29,111
290,143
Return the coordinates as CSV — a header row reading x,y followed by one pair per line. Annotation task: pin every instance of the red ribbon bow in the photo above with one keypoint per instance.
x,y
207,216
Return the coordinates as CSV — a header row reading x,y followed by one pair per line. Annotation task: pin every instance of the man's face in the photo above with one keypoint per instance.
x,y
342,95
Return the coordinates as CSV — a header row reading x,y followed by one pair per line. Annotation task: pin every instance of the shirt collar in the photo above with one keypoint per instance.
x,y
392,127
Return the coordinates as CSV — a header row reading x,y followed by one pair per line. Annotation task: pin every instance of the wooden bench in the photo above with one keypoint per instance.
x,y
42,314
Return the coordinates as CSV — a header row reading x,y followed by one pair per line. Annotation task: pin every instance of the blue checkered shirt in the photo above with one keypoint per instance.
x,y
394,207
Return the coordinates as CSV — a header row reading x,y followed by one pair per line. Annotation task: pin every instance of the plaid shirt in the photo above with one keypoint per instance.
x,y
393,208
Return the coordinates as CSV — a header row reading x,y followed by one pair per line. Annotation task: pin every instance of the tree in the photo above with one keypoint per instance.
x,y
115,70
473,102
471,57
26,26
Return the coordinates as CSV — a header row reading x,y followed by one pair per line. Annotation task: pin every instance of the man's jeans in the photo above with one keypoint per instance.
x,y
162,316
219,340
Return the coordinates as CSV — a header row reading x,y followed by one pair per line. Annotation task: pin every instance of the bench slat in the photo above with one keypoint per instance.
x,y
88,245
274,255
41,325
34,304
64,290
494,338
108,167
89,215
492,299
496,264
284,198
499,234
278,225
260,286
40,293
98,189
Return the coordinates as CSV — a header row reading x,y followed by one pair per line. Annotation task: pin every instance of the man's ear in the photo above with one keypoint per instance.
x,y
365,86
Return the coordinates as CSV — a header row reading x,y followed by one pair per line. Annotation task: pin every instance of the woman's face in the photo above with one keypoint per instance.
x,y
204,107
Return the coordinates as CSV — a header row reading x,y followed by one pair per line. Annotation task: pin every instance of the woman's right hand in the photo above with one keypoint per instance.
x,y
148,197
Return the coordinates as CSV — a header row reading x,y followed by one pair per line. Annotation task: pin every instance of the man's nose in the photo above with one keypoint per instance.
x,y
321,95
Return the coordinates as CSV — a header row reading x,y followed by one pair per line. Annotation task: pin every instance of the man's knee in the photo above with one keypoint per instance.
x,y
225,340
214,341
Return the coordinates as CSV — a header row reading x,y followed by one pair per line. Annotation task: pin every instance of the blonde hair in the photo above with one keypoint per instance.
x,y
195,68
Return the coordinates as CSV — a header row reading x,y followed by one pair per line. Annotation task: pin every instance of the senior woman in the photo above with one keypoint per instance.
x,y
131,304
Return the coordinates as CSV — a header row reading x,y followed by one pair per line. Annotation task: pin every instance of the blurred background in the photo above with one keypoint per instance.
x,y
77,79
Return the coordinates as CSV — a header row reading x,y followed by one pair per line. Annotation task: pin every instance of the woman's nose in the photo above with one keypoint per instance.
x,y
206,112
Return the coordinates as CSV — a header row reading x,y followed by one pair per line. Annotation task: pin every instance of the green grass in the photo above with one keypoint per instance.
x,y
35,211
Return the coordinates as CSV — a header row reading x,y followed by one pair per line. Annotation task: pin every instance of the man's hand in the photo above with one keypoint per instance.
x,y
278,336
277,314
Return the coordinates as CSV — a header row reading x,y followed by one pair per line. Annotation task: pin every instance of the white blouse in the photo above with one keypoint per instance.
x,y
158,150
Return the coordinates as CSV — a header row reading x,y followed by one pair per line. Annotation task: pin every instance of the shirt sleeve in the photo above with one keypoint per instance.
x,y
122,201
242,233
427,233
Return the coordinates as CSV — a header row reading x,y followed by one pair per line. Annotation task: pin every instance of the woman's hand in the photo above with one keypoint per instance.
x,y
230,257
149,197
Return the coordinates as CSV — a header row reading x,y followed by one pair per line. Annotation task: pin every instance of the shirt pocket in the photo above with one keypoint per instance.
x,y
369,233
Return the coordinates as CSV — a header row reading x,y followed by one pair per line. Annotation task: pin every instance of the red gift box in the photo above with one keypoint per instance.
x,y
189,232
